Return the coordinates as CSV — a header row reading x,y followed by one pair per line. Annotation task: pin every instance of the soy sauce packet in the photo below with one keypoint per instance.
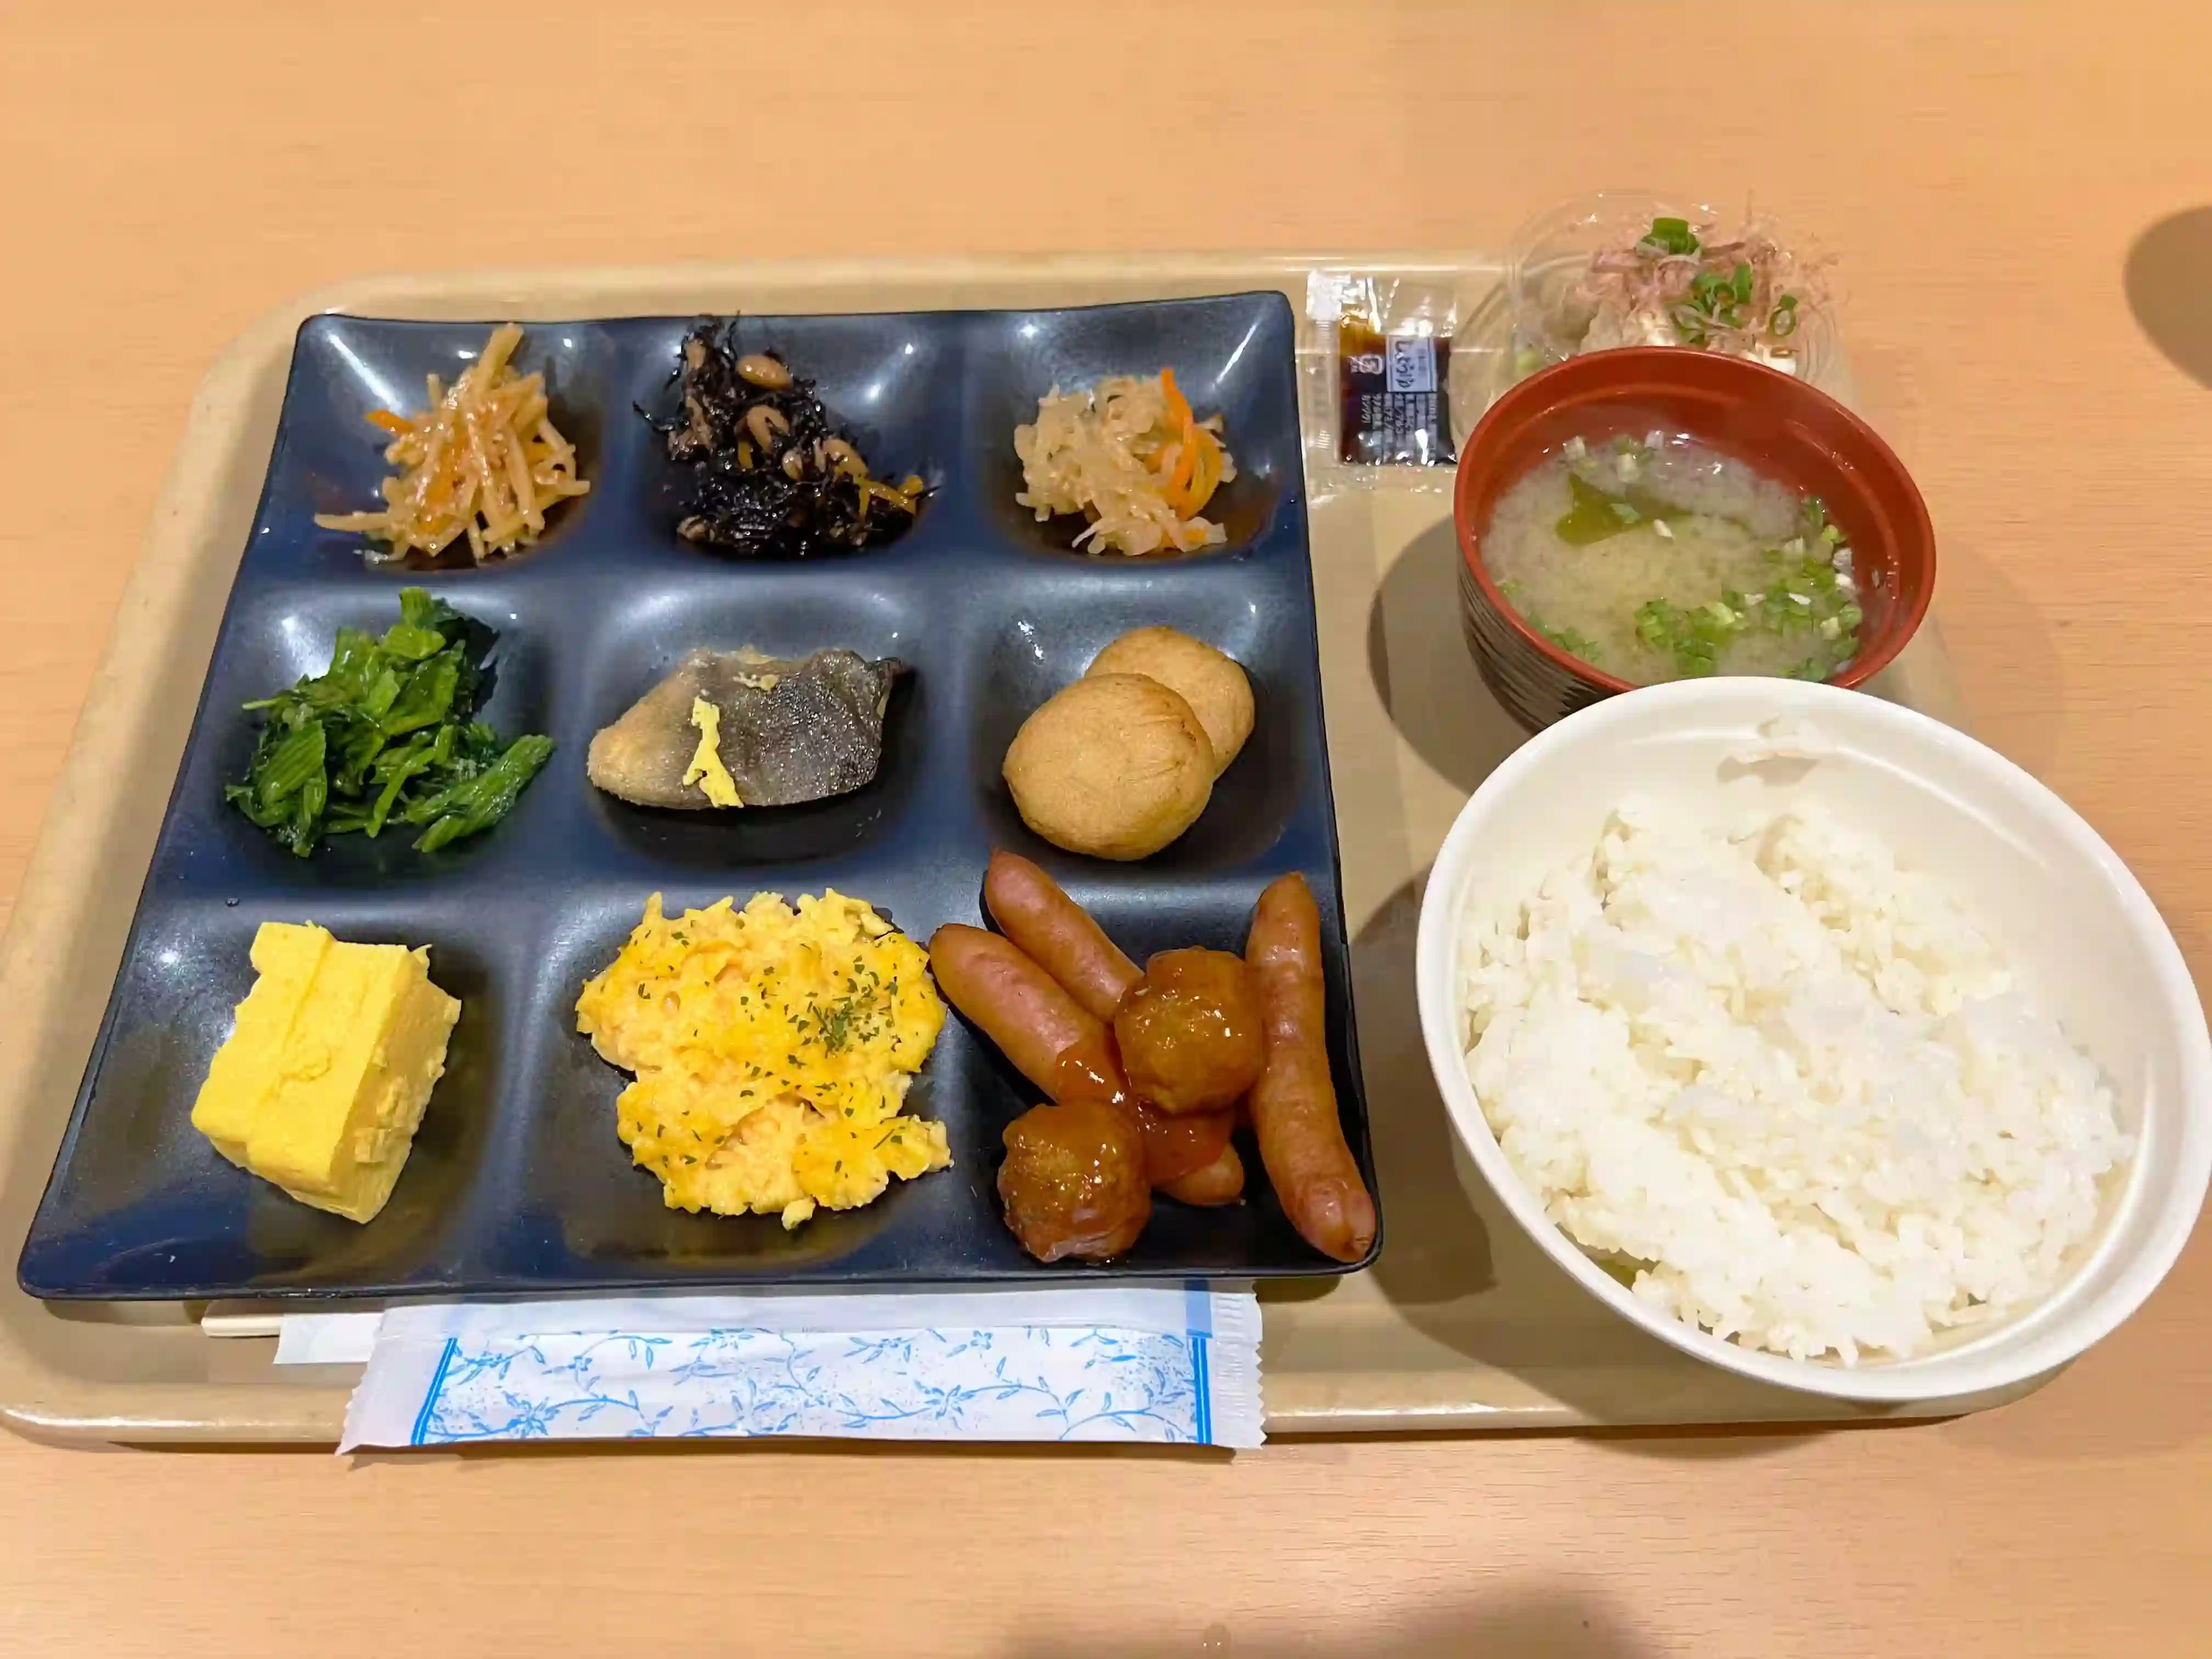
x,y
1392,341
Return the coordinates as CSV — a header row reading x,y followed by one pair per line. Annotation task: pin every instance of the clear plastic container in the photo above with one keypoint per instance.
x,y
1541,325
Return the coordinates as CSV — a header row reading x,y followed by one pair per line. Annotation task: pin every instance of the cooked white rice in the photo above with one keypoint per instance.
x,y
1106,451
1791,1086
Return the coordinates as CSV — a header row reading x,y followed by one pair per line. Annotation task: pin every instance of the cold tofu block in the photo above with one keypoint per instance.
x,y
322,1084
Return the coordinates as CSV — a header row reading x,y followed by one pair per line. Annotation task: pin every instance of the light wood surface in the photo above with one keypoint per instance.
x,y
167,174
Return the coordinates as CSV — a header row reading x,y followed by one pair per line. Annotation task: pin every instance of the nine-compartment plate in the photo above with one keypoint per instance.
x,y
517,1182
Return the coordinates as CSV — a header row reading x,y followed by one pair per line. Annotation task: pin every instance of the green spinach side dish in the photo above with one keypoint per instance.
x,y
387,735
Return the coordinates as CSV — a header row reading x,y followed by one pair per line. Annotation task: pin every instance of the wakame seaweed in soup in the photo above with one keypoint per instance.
x,y
1663,559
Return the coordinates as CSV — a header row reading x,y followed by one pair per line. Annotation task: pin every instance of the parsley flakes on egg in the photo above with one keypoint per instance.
x,y
774,1049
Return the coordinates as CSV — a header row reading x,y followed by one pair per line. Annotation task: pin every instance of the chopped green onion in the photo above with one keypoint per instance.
x,y
1574,644
1693,638
1671,236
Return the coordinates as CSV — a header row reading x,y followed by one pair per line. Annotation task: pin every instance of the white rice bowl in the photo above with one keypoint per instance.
x,y
1883,1127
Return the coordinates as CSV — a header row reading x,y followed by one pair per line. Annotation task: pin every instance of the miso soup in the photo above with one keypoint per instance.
x,y
1663,559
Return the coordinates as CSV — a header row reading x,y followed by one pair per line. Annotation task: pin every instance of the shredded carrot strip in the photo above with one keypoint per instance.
x,y
1186,468
1187,459
384,419
1206,476
1178,406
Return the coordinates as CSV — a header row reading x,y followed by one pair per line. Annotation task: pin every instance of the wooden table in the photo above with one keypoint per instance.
x,y
167,173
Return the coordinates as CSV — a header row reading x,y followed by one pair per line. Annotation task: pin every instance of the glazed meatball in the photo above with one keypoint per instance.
x,y
1073,1181
1189,1031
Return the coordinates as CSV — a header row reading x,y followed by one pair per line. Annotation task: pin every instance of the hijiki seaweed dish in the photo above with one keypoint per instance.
x,y
772,473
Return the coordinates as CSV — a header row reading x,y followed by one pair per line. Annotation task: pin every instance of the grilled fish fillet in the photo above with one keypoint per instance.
x,y
792,730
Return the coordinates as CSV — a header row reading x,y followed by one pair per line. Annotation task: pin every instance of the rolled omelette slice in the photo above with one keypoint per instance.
x,y
323,1081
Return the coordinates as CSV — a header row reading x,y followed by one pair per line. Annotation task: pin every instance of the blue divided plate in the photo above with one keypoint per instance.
x,y
517,1182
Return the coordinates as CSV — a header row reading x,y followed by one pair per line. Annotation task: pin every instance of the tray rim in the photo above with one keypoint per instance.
x,y
42,1403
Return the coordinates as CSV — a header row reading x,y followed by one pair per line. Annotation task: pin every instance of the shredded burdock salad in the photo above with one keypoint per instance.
x,y
482,459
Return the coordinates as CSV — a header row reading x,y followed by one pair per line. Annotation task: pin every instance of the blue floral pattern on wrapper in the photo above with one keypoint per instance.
x,y
1058,1384
1168,1366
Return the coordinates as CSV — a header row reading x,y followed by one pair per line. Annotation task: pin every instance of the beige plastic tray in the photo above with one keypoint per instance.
x,y
1462,1324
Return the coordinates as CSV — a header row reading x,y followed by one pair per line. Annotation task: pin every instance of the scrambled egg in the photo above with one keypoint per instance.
x,y
774,1049
707,769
